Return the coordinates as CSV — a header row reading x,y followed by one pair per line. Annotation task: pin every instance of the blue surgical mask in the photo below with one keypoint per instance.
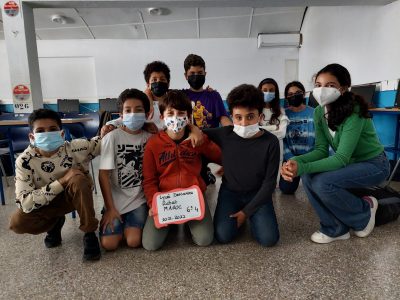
x,y
48,141
134,121
269,96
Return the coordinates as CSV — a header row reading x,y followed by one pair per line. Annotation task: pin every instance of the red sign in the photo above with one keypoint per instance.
x,y
21,92
11,8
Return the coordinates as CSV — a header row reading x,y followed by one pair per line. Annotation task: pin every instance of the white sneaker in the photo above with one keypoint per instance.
x,y
321,238
371,224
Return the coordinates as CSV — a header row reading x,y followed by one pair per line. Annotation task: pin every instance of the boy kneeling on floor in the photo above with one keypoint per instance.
x,y
52,180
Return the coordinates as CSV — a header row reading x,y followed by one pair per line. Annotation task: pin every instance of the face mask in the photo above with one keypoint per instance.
x,y
246,131
196,81
159,88
268,96
134,121
295,100
176,124
48,141
326,95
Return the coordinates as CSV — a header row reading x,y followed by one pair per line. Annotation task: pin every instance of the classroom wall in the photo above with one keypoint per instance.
x,y
119,64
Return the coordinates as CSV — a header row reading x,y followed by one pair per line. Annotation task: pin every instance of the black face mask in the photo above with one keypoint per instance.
x,y
159,88
196,81
296,100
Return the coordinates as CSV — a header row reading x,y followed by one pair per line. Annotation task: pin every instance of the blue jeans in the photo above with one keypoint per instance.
x,y
339,210
288,187
264,226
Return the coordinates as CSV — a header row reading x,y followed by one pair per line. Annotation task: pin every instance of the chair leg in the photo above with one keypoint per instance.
x,y
94,178
3,172
3,199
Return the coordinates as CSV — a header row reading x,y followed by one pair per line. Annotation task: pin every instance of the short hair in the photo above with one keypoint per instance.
x,y
297,84
156,66
246,95
133,94
44,113
176,99
193,60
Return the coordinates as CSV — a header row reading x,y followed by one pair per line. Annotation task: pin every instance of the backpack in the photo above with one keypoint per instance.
x,y
388,202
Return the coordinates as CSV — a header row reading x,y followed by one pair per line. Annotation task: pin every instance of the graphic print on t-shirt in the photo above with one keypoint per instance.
x,y
297,132
129,165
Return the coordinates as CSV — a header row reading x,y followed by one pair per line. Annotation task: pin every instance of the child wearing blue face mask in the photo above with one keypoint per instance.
x,y
120,174
274,118
52,180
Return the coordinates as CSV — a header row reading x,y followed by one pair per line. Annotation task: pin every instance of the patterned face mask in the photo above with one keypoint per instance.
x,y
176,124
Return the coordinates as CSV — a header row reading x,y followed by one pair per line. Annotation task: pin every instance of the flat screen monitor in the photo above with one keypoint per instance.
x,y
311,101
68,105
365,91
108,104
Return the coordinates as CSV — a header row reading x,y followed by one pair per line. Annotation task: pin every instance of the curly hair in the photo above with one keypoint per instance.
x,y
274,104
245,95
156,66
348,103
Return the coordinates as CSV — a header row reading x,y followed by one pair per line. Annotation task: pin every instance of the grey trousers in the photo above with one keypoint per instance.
x,y
202,232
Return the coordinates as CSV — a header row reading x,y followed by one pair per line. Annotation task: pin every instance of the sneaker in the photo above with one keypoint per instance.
x,y
373,203
91,248
321,238
53,237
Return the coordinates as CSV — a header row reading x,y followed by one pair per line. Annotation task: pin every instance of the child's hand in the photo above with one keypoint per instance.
x,y
150,128
240,218
150,212
196,136
108,219
220,172
289,170
106,129
69,175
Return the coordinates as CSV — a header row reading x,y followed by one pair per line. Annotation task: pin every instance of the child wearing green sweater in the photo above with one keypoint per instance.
x,y
341,121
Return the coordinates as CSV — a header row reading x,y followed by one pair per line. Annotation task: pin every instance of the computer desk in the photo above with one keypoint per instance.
x,y
396,147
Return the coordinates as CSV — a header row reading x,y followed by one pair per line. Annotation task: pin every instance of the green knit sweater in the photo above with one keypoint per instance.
x,y
355,140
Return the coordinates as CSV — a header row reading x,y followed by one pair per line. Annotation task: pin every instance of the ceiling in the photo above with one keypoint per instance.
x,y
178,22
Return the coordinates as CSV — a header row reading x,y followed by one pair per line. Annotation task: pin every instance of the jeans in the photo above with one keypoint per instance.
x,y
339,210
264,226
288,187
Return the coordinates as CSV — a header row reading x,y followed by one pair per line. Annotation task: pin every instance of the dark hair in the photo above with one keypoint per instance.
x,y
133,94
156,66
274,104
346,104
176,99
245,95
193,60
44,113
292,84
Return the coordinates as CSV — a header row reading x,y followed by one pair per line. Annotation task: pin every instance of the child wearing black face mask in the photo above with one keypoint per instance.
x,y
300,132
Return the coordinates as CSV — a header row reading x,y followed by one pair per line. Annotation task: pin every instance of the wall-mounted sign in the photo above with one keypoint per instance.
x,y
11,8
22,99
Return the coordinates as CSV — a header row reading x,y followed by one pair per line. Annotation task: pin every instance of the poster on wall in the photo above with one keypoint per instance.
x,y
22,99
11,8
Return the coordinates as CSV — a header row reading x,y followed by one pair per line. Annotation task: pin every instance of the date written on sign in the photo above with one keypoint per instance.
x,y
178,206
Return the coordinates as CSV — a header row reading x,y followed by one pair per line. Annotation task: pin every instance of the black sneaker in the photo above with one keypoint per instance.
x,y
91,247
53,237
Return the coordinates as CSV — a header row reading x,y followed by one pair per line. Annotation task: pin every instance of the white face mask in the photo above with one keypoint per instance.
x,y
246,131
176,124
326,95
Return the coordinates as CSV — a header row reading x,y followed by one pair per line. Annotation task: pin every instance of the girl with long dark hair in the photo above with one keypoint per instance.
x,y
341,121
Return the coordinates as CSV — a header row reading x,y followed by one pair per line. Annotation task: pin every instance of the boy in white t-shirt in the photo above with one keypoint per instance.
x,y
120,174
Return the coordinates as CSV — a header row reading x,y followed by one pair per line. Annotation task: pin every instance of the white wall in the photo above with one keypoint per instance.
x,y
119,64
365,39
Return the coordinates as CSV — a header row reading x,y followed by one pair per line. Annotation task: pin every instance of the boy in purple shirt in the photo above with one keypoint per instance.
x,y
209,110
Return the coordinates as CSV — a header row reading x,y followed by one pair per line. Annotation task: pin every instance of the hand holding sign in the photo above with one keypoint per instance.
x,y
178,206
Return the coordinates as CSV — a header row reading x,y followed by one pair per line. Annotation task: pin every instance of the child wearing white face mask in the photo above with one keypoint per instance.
x,y
274,118
250,158
341,121
120,174
171,162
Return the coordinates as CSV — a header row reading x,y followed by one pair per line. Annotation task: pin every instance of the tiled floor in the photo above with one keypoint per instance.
x,y
294,269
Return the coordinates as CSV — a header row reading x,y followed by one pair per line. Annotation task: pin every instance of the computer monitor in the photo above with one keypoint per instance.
x,y
68,105
109,104
365,91
311,101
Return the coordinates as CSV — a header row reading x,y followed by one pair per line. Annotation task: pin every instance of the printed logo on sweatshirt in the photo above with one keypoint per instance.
x,y
166,157
47,166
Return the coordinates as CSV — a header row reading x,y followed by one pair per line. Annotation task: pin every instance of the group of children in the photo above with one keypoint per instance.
x,y
138,161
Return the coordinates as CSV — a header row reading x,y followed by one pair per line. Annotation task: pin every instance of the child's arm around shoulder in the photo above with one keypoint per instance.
x,y
211,150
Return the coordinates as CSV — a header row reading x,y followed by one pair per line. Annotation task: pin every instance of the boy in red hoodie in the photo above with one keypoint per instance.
x,y
171,162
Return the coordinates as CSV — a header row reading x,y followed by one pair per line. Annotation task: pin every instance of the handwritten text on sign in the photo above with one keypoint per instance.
x,y
178,206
